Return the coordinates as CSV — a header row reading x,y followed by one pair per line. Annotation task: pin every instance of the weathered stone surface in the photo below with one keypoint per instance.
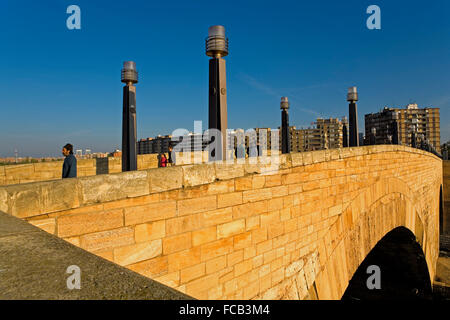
x,y
25,200
72,225
47,224
3,200
19,171
49,167
59,195
228,171
163,179
294,268
194,175
150,231
137,252
151,212
114,187
297,159
25,276
109,239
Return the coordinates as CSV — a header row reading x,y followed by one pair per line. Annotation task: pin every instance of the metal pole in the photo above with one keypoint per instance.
x,y
216,48
129,156
352,97
285,137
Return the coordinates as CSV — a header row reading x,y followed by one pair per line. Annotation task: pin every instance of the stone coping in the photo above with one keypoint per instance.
x,y
44,197
33,265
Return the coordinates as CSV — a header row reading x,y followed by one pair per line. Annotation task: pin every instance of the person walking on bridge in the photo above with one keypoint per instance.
x,y
70,162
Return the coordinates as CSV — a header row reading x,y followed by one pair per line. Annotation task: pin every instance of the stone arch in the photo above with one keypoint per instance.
x,y
376,210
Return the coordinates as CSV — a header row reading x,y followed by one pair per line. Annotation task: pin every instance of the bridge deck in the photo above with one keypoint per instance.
x,y
33,265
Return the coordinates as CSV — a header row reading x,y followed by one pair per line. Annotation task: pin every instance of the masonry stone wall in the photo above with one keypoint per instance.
x,y
296,230
446,196
44,171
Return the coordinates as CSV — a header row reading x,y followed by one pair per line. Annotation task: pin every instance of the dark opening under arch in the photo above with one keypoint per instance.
x,y
403,270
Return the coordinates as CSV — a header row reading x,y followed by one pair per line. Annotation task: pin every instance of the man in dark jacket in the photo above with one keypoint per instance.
x,y
172,156
70,162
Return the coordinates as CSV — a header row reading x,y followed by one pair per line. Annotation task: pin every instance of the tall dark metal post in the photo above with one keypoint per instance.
x,y
129,155
352,97
285,136
216,48
344,132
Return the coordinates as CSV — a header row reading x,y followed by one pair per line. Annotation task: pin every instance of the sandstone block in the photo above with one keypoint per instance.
x,y
242,240
229,199
205,235
19,171
196,205
162,179
194,175
243,267
228,171
47,224
202,284
249,209
184,224
4,206
235,257
177,243
151,212
152,268
106,240
150,231
257,195
230,228
192,273
216,217
90,222
137,252
111,187
216,248
24,200
244,183
183,259
171,280
216,264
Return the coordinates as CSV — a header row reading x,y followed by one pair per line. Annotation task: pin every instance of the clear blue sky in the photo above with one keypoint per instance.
x,y
59,85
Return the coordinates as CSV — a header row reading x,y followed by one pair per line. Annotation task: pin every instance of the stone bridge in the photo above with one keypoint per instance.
x,y
219,231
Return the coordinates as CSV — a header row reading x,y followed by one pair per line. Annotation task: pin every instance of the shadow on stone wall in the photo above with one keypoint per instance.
x,y
102,166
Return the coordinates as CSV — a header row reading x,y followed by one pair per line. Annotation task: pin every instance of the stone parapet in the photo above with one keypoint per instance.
x,y
46,171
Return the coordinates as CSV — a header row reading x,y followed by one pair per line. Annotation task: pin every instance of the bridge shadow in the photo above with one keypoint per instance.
x,y
101,165
403,270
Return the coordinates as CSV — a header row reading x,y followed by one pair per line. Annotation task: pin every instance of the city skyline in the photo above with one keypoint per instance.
x,y
310,53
